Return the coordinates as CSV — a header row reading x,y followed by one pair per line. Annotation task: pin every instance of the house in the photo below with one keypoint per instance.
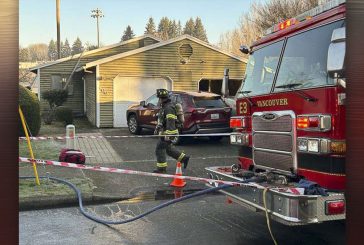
x,y
105,81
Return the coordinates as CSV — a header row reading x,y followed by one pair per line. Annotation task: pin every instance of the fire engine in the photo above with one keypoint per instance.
x,y
290,120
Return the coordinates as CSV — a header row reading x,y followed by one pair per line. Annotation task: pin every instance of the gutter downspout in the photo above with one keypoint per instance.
x,y
97,96
38,82
84,96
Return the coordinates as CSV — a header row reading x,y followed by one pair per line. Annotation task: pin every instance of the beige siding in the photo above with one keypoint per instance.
x,y
106,103
91,97
149,41
204,63
75,102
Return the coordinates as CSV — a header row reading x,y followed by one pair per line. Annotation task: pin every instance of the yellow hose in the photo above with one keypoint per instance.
x,y
29,146
266,215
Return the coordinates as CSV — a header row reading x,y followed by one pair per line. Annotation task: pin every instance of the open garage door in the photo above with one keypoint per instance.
x,y
132,90
214,86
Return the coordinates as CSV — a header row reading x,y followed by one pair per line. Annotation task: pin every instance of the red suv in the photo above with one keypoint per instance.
x,y
204,113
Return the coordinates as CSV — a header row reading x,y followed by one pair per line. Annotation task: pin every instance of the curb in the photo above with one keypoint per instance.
x,y
63,201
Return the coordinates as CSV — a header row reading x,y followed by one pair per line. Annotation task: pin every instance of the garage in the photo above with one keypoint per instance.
x,y
132,90
214,85
129,77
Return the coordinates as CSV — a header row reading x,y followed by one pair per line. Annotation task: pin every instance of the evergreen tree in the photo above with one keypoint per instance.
x,y
163,28
88,46
128,34
199,30
52,50
172,30
179,28
77,46
66,49
189,27
92,47
150,27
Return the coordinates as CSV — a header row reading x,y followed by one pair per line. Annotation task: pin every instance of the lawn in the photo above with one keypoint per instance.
x,y
50,149
50,188
82,125
44,149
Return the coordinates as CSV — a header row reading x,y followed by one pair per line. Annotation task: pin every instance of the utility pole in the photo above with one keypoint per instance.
x,y
97,13
58,29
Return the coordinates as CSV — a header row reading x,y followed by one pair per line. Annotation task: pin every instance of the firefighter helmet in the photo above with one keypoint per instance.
x,y
162,93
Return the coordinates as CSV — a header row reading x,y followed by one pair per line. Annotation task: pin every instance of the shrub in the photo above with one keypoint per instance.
x,y
30,107
64,114
55,98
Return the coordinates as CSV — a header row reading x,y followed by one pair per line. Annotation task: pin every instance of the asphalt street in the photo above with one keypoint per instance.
x,y
203,152
203,220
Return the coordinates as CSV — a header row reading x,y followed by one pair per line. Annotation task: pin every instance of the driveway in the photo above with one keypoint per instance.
x,y
138,154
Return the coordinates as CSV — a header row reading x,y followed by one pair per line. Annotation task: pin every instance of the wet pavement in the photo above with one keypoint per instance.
x,y
139,154
202,220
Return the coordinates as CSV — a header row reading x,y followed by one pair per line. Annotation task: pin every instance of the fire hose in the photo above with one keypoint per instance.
x,y
156,208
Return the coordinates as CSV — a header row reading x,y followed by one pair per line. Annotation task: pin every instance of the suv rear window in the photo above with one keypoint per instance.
x,y
209,102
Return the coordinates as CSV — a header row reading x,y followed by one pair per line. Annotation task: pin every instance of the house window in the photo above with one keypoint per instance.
x,y
58,82
185,51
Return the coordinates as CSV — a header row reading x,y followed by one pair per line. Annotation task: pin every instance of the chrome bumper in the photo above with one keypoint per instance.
x,y
286,208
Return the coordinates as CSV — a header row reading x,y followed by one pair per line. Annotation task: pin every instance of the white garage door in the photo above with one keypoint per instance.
x,y
132,90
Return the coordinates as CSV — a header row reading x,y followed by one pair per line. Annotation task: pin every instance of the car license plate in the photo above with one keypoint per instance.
x,y
214,116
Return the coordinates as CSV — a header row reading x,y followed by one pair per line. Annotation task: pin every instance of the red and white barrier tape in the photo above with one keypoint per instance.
x,y
118,136
125,171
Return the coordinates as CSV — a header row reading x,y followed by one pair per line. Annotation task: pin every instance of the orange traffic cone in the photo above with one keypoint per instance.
x,y
178,182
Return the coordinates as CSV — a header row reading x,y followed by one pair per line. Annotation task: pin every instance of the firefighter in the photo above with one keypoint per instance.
x,y
166,125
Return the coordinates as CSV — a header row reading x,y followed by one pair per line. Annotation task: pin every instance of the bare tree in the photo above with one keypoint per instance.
x,y
261,16
274,11
38,52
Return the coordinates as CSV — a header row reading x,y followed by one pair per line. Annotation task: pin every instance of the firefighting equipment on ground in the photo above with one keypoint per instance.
x,y
163,205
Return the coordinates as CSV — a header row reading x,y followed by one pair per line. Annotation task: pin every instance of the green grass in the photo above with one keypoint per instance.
x,y
50,149
28,188
45,149
82,125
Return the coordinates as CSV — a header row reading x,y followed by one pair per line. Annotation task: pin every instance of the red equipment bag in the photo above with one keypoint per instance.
x,y
72,156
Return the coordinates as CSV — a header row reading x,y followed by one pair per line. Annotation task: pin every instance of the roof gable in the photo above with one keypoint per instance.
x,y
157,45
92,55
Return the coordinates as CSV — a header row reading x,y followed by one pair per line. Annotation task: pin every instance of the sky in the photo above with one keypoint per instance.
x,y
37,18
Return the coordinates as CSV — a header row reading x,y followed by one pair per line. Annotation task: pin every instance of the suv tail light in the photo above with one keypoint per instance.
x,y
198,110
238,122
314,122
335,207
227,109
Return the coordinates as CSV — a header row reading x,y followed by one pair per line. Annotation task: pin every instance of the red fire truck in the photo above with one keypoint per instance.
x,y
290,123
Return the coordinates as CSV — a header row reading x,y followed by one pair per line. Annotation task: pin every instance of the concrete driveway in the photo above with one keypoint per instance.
x,y
138,154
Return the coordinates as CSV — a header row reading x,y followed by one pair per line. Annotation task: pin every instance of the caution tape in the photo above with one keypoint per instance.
x,y
133,172
119,136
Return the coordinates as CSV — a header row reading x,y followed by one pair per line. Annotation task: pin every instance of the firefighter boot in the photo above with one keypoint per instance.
x,y
185,160
160,170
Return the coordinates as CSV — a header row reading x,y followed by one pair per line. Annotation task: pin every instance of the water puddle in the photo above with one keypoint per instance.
x,y
159,195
